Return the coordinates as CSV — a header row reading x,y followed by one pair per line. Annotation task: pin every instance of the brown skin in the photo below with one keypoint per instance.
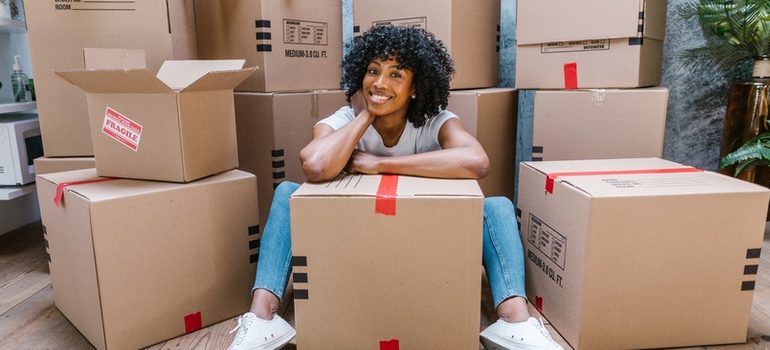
x,y
383,102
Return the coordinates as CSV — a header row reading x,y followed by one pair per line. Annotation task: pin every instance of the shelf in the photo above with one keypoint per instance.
x,y
12,26
11,107
9,193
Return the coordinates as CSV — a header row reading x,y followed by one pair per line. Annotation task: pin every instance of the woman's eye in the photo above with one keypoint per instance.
x,y
396,75
372,71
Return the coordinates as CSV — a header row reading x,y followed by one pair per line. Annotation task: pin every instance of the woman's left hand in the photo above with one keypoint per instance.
x,y
364,163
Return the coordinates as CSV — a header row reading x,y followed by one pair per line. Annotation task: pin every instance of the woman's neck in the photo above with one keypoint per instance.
x,y
390,128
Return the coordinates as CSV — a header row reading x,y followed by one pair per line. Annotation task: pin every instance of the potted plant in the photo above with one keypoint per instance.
x,y
738,33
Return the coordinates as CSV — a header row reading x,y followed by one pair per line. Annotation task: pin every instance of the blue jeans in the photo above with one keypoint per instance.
x,y
503,256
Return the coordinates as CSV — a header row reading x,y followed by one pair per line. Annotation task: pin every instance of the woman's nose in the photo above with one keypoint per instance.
x,y
380,81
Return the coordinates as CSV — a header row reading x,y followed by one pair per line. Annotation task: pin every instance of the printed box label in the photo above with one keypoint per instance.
x,y
305,32
122,129
575,46
549,242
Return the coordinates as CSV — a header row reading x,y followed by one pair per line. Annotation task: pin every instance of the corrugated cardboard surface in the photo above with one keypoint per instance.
x,y
298,44
564,20
469,30
641,260
129,259
414,276
185,135
490,116
594,124
58,33
45,165
272,129
611,46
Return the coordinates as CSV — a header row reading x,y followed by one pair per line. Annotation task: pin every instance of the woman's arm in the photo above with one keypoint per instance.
x,y
461,156
329,151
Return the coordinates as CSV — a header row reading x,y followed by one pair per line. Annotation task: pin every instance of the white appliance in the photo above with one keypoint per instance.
x,y
20,144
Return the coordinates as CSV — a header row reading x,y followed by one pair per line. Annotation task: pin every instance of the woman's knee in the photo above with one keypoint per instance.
x,y
498,205
285,189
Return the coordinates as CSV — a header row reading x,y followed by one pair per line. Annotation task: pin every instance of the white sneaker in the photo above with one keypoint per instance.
x,y
530,334
255,333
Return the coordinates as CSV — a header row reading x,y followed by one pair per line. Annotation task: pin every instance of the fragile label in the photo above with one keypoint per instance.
x,y
549,242
122,129
305,32
417,22
575,46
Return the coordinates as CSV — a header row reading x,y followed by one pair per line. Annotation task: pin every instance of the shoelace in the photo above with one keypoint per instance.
x,y
541,328
240,336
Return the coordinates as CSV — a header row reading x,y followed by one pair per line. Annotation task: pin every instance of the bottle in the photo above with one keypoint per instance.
x,y
19,82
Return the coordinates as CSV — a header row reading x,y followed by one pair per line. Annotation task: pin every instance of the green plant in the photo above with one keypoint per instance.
x,y
754,152
738,32
744,25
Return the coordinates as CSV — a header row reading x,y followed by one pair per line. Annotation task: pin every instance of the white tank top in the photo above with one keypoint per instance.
x,y
413,140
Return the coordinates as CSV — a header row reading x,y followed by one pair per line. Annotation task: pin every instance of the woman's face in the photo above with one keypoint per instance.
x,y
387,87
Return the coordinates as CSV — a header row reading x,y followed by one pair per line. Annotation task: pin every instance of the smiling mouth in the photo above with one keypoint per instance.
x,y
377,98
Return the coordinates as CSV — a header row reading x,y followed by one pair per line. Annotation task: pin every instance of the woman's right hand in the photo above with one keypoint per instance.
x,y
358,102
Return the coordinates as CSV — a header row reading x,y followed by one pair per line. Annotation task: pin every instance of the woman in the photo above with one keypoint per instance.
x,y
397,80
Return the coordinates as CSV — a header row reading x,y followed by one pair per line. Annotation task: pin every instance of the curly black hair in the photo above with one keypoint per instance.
x,y
416,50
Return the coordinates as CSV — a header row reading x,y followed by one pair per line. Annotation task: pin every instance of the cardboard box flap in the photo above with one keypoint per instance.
x,y
220,80
180,74
118,188
565,20
114,81
125,59
405,186
645,177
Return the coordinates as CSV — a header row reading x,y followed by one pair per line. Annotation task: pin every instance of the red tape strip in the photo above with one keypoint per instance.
x,y
58,198
539,303
192,322
570,75
551,178
389,344
385,202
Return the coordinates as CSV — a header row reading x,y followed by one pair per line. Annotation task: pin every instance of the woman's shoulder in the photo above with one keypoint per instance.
x,y
439,119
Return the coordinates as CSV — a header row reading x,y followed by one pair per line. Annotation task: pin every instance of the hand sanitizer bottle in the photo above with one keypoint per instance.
x,y
19,82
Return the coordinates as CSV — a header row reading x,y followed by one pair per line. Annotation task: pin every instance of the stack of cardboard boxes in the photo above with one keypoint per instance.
x,y
134,262
594,66
622,253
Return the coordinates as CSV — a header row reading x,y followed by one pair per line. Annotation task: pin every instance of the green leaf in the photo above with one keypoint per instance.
x,y
756,149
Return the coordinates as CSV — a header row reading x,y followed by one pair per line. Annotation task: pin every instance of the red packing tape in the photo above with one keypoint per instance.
x,y
389,344
58,198
192,322
385,203
551,178
570,75
539,303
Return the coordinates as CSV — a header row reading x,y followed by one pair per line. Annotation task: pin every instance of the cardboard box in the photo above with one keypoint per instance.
x,y
178,126
272,129
646,253
393,258
595,124
469,29
298,45
490,116
596,44
134,263
46,165
58,33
